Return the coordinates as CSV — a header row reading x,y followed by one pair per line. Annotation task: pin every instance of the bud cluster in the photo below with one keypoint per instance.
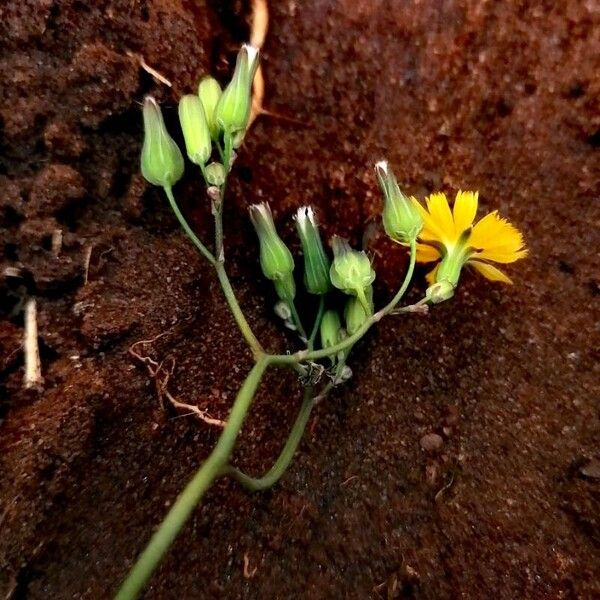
x,y
213,117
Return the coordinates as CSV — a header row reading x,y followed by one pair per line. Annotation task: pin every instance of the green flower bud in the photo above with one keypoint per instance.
x,y
195,129
162,163
276,260
330,329
316,262
233,108
215,174
285,287
209,92
355,314
351,270
440,291
401,219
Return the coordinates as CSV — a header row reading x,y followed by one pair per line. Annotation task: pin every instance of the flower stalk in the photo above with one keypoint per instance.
x,y
216,121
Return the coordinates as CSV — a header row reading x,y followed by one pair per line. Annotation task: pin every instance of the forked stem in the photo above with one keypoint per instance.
x,y
187,501
313,355
272,476
217,463
217,263
188,230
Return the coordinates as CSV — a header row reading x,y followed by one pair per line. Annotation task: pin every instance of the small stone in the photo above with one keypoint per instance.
x,y
591,469
431,442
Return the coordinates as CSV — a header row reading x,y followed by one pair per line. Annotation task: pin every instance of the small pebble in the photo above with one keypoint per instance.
x,y
591,469
431,442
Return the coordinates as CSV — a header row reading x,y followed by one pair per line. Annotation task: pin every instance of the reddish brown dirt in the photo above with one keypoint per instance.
x,y
499,97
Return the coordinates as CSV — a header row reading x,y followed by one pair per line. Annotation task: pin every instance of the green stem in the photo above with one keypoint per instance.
x,y
218,214
188,230
296,319
218,207
317,323
195,489
273,475
304,355
228,138
238,315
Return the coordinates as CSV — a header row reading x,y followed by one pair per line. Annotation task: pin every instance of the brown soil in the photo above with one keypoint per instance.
x,y
499,97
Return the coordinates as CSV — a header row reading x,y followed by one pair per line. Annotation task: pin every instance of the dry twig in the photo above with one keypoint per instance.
x,y
87,257
33,367
150,70
57,239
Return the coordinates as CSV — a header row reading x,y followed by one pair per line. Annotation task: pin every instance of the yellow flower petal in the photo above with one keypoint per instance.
x,y
497,240
432,274
430,229
426,253
490,272
440,217
464,211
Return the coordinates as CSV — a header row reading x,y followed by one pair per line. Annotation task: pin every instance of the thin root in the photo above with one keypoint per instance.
x,y
347,481
161,375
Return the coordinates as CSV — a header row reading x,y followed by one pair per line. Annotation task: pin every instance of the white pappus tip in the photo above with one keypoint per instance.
x,y
263,208
252,52
304,214
382,165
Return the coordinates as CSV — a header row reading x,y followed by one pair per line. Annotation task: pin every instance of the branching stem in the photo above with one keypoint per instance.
x,y
313,355
272,476
217,463
188,230
187,501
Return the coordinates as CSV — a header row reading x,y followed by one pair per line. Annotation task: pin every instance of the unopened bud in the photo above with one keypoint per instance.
x,y
316,262
195,129
440,291
285,287
233,108
351,270
330,329
215,174
161,162
209,92
276,260
355,314
401,219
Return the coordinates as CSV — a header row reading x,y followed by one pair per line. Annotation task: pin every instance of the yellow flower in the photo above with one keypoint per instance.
x,y
450,235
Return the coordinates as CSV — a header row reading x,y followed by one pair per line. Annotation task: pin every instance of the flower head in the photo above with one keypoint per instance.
x,y
450,235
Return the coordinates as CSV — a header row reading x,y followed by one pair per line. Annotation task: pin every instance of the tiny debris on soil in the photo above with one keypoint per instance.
x,y
431,442
499,97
